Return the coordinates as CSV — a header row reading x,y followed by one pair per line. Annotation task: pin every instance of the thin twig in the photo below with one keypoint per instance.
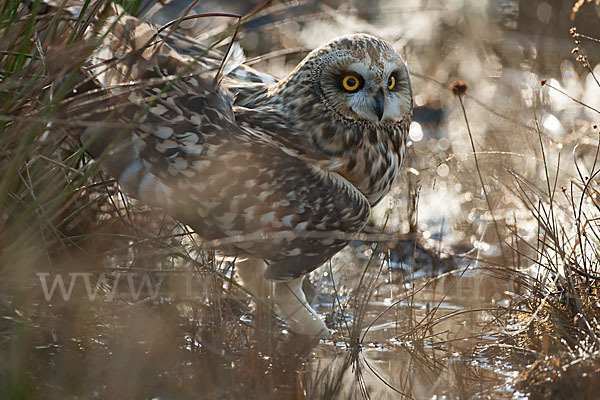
x,y
545,83
481,181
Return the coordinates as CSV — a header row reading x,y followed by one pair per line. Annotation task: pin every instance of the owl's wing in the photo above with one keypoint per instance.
x,y
236,72
171,138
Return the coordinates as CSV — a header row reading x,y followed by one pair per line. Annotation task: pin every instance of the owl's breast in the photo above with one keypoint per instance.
x,y
372,168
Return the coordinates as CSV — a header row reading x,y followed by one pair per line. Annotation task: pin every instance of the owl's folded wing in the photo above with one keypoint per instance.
x,y
170,137
184,152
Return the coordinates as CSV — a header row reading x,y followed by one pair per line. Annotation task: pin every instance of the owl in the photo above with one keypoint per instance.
x,y
278,173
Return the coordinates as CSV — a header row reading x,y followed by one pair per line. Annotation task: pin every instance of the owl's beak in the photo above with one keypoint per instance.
x,y
378,105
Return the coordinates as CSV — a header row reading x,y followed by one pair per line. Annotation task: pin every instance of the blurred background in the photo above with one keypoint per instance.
x,y
435,303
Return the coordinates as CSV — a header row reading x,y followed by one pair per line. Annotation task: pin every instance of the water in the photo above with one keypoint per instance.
x,y
431,337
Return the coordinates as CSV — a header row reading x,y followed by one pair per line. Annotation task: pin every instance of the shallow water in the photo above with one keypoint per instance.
x,y
424,343
429,337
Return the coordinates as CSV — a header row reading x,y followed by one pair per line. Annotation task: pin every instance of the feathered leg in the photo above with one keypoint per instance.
x,y
287,297
290,302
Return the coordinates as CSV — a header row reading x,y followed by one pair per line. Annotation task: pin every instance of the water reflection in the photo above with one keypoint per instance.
x,y
427,340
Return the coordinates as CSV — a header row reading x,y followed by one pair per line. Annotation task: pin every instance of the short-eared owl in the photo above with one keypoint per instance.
x,y
295,164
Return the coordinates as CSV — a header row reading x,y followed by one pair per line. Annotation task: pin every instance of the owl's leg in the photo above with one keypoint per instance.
x,y
251,271
291,304
287,297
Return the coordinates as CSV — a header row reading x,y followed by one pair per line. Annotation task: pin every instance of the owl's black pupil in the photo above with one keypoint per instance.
x,y
390,81
351,82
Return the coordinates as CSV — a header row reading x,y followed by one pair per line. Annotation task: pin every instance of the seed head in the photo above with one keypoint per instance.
x,y
459,87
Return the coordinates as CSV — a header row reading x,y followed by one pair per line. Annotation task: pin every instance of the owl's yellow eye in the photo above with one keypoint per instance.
x,y
392,82
350,83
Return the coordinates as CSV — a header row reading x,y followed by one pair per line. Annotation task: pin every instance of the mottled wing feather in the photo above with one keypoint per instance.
x,y
226,182
187,154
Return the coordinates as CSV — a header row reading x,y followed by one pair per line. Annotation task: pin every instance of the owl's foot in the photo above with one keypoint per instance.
x,y
287,298
291,305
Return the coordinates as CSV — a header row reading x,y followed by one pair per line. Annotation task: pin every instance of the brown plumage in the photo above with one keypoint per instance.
x,y
251,155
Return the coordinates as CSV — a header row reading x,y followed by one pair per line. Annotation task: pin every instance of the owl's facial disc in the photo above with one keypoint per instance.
x,y
366,81
377,95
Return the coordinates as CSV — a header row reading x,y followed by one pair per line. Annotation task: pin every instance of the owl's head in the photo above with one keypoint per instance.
x,y
361,79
